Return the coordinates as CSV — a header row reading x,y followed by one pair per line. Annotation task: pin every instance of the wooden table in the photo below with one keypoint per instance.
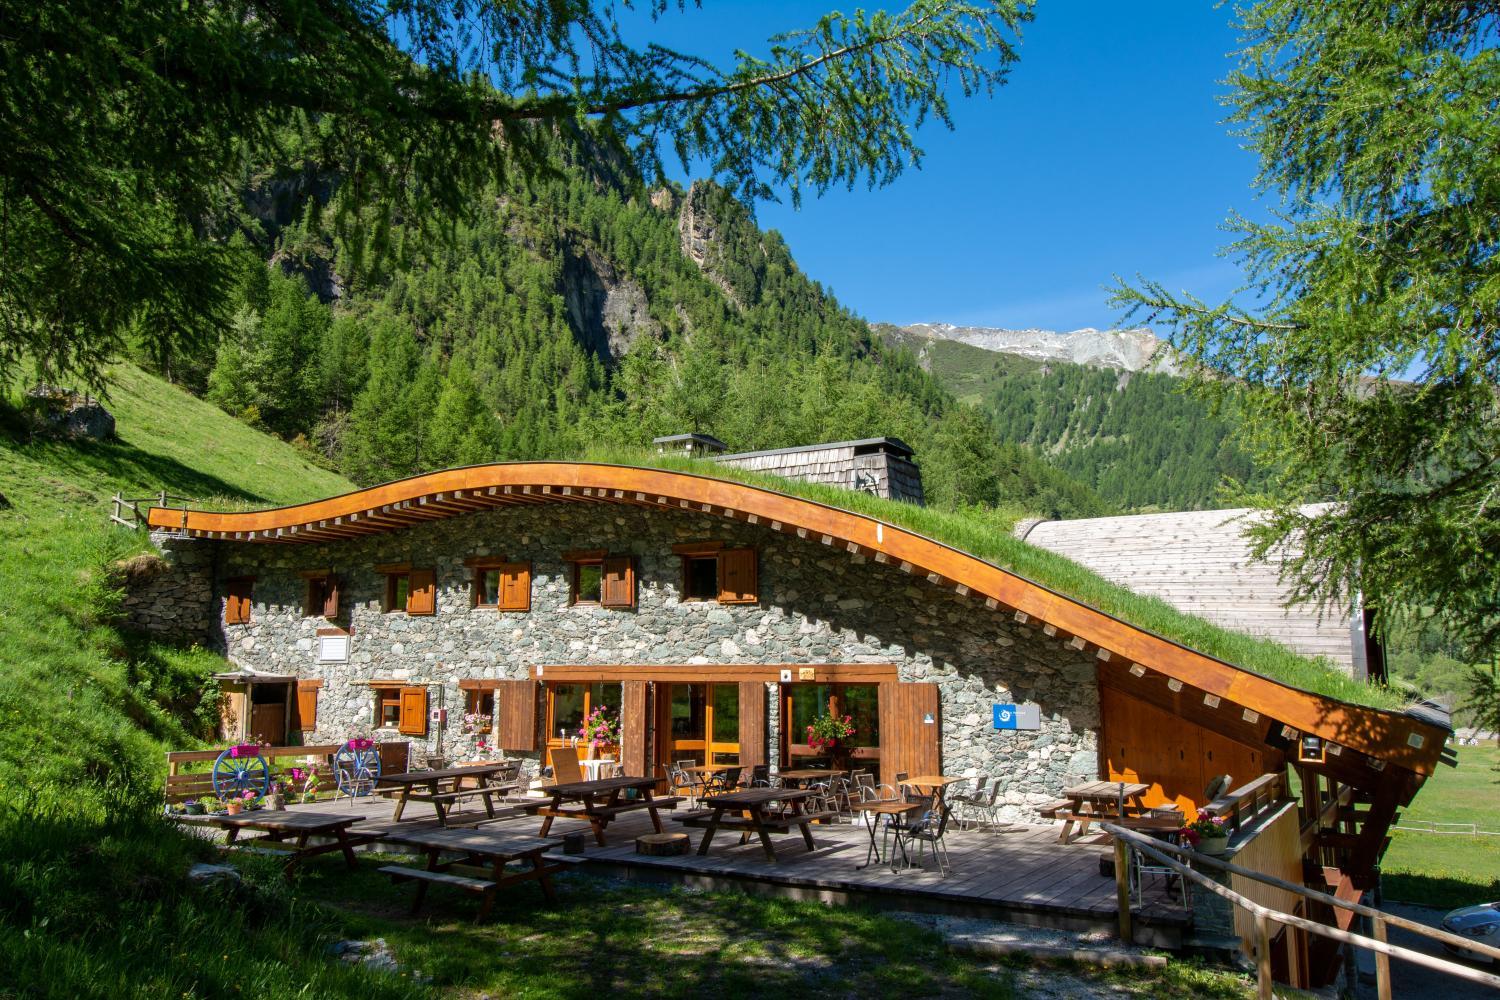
x,y
298,826
429,786
480,865
1098,800
599,802
873,810
753,805
800,774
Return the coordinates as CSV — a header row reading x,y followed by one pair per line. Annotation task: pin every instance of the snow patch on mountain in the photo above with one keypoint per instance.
x,y
1131,350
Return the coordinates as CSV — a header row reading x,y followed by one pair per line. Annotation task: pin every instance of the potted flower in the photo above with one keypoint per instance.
x,y
210,805
477,724
826,731
304,780
1207,835
598,731
234,806
277,799
193,807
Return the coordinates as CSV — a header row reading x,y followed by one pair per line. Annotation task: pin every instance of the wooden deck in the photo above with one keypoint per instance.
x,y
1020,873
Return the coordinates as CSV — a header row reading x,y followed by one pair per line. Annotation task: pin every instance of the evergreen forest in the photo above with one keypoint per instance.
x,y
577,309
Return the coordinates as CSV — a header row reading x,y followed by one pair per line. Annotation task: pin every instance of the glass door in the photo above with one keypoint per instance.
x,y
703,723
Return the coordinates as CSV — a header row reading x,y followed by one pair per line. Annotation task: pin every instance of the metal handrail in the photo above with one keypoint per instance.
x,y
1264,916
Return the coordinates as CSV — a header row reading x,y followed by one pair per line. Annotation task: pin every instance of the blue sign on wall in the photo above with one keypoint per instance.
x,y
1026,716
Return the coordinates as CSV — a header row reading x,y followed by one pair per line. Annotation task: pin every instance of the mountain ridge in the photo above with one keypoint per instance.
x,y
1137,349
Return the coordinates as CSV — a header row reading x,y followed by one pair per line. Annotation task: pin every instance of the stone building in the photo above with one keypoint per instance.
x,y
714,621
882,466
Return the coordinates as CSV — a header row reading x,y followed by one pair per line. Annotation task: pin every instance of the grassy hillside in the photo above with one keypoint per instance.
x,y
1137,440
92,896
1450,868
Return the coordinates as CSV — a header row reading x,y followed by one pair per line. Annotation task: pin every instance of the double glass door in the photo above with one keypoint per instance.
x,y
702,723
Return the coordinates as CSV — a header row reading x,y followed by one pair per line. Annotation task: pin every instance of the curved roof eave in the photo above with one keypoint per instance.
x,y
1390,736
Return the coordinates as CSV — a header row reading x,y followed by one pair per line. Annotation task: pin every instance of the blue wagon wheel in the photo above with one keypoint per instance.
x,y
237,771
356,769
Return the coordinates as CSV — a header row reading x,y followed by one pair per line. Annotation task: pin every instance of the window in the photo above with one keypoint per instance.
x,y
505,586
237,600
711,572
602,579
569,704
413,591
322,594
479,702
802,703
402,708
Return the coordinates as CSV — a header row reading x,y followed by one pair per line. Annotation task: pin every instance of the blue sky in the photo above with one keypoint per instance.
x,y
1104,154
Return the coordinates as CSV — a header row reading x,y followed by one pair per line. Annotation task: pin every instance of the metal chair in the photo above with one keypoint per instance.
x,y
683,781
930,827
1140,867
760,776
723,781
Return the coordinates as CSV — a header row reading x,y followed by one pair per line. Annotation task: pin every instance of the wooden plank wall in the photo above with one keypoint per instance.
x,y
1275,849
907,743
1199,562
1177,758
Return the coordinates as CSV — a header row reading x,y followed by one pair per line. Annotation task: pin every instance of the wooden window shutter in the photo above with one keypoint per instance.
x,y
516,716
753,723
515,587
237,601
413,711
421,592
618,588
908,742
307,707
331,596
737,577
635,729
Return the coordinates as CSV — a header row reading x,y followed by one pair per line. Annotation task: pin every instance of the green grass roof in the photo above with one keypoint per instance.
x,y
987,535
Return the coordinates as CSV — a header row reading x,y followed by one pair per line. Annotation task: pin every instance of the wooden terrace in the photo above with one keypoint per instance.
x,y
1019,873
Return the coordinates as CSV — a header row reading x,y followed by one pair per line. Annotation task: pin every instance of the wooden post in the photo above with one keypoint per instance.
x,y
1263,957
1382,963
1122,889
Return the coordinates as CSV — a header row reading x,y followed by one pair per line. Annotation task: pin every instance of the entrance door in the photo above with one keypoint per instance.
x,y
268,712
700,722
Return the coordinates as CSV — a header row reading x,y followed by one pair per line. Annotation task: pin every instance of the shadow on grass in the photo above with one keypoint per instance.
x,y
1444,892
131,468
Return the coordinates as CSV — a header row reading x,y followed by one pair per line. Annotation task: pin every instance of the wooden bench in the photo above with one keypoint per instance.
x,y
480,867
701,818
1051,809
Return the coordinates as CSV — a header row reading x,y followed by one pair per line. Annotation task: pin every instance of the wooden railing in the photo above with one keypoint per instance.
x,y
131,506
1178,858
1249,802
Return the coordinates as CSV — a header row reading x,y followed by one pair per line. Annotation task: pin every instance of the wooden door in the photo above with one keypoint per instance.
x,y
268,724
910,730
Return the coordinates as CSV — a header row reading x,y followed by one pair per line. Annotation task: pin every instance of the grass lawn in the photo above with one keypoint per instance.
x,y
1447,870
631,940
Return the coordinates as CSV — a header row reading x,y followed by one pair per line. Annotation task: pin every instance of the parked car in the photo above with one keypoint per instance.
x,y
1481,922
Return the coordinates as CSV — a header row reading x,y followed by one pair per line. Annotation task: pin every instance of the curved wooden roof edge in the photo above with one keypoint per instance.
x,y
1394,737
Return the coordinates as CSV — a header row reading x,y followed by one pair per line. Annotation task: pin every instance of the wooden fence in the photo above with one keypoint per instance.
x,y
196,784
1178,859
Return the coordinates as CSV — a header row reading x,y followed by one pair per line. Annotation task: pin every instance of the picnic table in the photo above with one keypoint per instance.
x,y
873,810
760,811
443,788
798,775
280,826
1082,804
480,867
599,802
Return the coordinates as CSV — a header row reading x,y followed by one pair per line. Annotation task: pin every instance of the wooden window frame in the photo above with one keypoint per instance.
x,y
408,724
396,571
608,564
318,601
511,575
237,605
717,551
387,696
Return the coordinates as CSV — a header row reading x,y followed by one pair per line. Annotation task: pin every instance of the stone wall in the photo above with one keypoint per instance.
x,y
173,596
818,604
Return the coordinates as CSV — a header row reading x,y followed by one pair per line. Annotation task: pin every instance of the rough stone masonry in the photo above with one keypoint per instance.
x,y
818,604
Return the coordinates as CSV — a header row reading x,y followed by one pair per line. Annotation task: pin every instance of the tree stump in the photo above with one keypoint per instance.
x,y
662,845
